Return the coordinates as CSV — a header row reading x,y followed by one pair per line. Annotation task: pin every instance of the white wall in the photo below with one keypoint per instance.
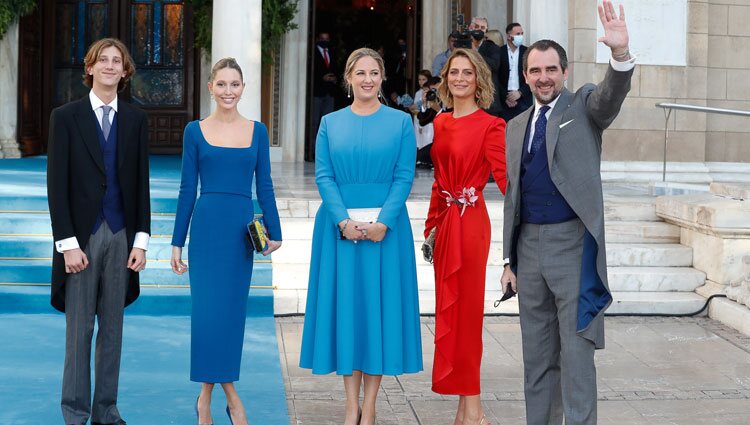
x,y
9,92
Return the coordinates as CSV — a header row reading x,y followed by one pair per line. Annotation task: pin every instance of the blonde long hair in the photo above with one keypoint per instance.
x,y
485,93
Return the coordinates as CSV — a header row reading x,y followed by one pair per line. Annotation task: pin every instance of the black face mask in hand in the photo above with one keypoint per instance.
x,y
509,293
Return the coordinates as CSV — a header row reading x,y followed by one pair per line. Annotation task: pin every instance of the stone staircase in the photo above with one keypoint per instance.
x,y
649,271
26,249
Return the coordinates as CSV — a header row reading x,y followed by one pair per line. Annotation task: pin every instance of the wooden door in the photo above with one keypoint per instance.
x,y
158,34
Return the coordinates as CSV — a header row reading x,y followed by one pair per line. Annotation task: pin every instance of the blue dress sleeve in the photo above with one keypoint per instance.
x,y
264,184
188,186
403,175
325,177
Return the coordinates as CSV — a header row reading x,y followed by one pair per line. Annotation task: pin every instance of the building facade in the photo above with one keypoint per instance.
x,y
689,51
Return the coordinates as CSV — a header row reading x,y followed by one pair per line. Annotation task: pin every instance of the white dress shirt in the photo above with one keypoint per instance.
x,y
513,83
141,238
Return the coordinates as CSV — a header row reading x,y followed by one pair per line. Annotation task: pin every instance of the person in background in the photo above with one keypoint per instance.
x,y
495,37
422,78
491,54
431,107
513,89
441,58
324,88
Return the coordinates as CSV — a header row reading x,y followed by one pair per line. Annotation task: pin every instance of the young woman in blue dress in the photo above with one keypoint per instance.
x,y
362,315
226,151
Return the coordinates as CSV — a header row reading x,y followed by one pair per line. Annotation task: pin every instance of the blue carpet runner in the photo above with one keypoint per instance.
x,y
154,380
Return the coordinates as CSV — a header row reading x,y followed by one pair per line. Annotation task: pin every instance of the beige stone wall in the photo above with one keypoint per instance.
x,y
717,74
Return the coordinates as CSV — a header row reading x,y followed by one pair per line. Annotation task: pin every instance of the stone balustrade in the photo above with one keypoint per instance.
x,y
716,225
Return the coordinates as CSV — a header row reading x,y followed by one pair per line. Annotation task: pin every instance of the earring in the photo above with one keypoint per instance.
x,y
349,93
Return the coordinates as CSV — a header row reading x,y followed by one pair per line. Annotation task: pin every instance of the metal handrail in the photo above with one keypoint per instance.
x,y
669,107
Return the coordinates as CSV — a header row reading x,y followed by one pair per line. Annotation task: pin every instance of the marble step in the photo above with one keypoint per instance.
x,y
15,223
21,247
616,208
621,279
617,231
153,301
157,273
641,232
38,203
631,254
291,301
656,303
302,228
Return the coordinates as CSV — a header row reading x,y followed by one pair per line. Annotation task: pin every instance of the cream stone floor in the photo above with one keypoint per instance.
x,y
654,371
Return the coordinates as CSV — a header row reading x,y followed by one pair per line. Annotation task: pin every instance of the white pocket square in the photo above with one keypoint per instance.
x,y
566,123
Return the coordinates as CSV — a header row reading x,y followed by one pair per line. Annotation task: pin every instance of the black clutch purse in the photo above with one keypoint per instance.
x,y
428,246
256,233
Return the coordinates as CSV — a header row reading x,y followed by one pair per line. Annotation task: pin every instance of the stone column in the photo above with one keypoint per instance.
x,y
496,12
237,33
293,104
205,98
436,25
542,19
9,93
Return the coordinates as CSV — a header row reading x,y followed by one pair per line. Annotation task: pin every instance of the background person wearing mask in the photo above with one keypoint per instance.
x,y
512,82
491,54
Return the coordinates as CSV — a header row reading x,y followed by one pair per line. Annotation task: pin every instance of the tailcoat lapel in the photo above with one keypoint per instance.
x,y
86,121
553,125
123,141
517,137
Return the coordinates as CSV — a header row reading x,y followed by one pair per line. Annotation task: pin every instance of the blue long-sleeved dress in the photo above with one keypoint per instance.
x,y
220,264
362,305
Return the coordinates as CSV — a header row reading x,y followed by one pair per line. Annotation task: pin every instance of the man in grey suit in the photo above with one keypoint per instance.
x,y
553,237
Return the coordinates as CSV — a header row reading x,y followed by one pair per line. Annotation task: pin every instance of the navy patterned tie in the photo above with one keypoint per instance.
x,y
540,130
106,125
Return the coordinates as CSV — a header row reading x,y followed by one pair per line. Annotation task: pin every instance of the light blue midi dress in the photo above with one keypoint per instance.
x,y
362,305
220,263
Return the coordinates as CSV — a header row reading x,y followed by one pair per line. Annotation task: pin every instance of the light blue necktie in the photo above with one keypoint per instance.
x,y
106,125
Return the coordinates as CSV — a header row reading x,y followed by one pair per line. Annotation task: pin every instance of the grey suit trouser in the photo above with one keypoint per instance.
x,y
559,370
98,292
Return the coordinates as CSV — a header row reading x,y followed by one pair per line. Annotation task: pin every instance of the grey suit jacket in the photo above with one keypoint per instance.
x,y
574,153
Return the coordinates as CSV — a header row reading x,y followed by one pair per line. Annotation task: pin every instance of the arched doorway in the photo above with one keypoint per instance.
x,y
365,23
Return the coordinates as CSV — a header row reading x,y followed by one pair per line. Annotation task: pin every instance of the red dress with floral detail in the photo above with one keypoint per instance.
x,y
464,152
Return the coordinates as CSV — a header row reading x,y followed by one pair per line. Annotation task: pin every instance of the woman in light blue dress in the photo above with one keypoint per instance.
x,y
362,316
225,152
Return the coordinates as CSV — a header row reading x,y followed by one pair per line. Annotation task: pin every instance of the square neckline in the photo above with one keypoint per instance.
x,y
252,139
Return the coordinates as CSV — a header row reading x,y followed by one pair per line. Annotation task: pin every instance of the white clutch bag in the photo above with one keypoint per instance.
x,y
366,215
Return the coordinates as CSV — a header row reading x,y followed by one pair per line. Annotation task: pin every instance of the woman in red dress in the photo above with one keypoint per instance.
x,y
468,144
